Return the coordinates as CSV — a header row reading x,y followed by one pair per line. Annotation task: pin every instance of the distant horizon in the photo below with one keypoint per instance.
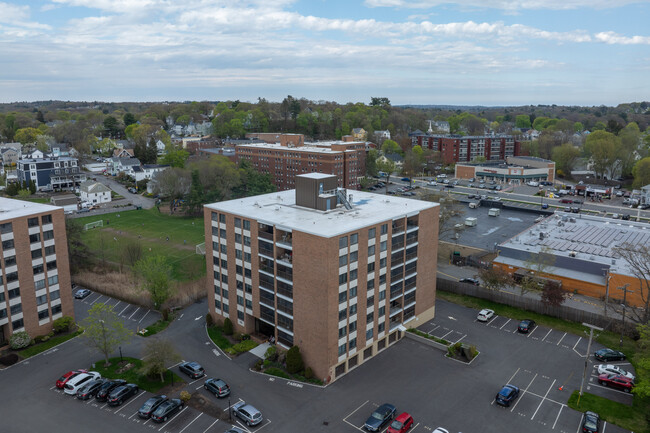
x,y
491,53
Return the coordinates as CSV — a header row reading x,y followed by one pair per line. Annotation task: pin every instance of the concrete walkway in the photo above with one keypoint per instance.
x,y
260,350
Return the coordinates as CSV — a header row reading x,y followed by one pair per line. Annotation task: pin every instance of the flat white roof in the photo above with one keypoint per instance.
x,y
10,209
279,209
317,175
320,146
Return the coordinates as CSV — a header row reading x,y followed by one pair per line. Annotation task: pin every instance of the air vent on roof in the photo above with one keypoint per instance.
x,y
572,253
613,261
572,220
541,236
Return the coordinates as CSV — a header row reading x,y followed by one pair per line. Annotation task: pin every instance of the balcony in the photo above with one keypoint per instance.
x,y
266,265
285,272
264,248
412,238
395,307
284,240
398,228
397,244
265,235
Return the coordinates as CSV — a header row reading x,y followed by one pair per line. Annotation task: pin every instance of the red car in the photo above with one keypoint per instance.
x,y
401,424
66,377
617,381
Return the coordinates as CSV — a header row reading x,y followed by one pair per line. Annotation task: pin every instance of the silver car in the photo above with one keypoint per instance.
x,y
247,413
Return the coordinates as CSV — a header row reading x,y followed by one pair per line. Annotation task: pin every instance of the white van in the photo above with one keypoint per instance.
x,y
533,183
470,222
474,204
73,385
494,212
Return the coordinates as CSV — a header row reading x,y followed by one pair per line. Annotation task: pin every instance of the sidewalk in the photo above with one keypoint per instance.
x,y
581,302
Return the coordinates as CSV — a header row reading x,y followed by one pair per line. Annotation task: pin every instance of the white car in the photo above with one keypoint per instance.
x,y
485,315
432,183
73,385
440,430
614,369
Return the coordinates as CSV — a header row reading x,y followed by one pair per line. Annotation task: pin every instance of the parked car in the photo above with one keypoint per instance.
x,y
402,423
440,430
577,201
72,386
470,281
380,417
545,206
613,369
217,387
107,387
234,429
60,383
485,315
192,369
616,381
406,179
566,200
625,217
507,395
609,355
247,413
151,405
90,389
122,393
167,409
590,422
83,210
81,293
526,325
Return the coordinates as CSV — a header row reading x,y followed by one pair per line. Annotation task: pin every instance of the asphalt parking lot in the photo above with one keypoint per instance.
x,y
135,317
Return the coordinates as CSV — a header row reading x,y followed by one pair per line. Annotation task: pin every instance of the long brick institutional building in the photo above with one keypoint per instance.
x,y
284,156
457,148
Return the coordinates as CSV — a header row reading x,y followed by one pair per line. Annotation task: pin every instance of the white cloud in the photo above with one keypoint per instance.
x,y
614,38
10,13
508,5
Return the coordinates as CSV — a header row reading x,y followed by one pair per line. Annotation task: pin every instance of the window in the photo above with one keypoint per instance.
x,y
249,304
381,312
372,233
343,296
247,241
240,300
5,228
51,265
224,278
342,349
343,242
238,238
11,277
40,300
239,270
215,216
343,278
224,293
240,315
370,301
238,223
223,249
370,317
353,274
353,309
371,267
2,296
40,284
382,246
238,254
248,288
32,222
381,327
247,272
43,314
46,219
15,309
222,233
382,295
343,260
14,293
247,225
48,235
382,263
353,344
354,238
36,237
54,295
354,256
17,324
369,334
8,244
342,332
224,263
353,292
371,251
217,303
384,229
343,314
371,285
382,279
38,269
10,261
53,280
56,309
247,257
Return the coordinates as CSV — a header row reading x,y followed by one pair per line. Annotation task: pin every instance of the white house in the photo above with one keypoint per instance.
x,y
36,154
94,192
382,135
146,171
160,146
115,165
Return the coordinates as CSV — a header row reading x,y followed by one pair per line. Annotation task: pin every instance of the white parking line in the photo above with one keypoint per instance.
x,y
345,420
433,329
116,304
461,338
531,332
442,338
558,416
540,403
197,417
558,343
96,299
505,323
522,394
127,306
509,380
145,315
215,421
132,400
580,425
170,420
574,347
611,389
549,331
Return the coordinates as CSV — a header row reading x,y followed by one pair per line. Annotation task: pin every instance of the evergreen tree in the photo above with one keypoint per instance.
x,y
152,152
195,197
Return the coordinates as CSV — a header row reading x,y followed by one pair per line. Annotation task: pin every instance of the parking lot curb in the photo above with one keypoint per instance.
x,y
213,343
290,382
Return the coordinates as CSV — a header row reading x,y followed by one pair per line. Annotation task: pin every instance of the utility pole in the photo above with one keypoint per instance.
x,y
607,278
625,290
584,372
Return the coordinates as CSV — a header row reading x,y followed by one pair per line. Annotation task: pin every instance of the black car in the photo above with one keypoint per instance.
x,y
609,355
122,393
217,387
167,409
526,326
151,405
507,395
192,369
380,417
107,387
625,217
89,389
81,293
470,281
590,422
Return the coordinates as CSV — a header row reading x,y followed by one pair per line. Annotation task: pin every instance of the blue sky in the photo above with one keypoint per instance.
x,y
467,52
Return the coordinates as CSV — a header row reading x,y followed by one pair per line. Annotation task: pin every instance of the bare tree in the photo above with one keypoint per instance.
x,y
638,259
156,355
495,278
552,294
132,252
536,266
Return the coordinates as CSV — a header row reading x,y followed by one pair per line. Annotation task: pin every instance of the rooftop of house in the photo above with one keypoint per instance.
x,y
10,209
583,245
280,209
92,187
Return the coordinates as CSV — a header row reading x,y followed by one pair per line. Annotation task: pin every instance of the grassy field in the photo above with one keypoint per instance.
x,y
632,418
47,345
175,237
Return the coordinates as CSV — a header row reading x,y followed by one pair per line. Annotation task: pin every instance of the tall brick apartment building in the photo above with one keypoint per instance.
x,y
292,156
456,148
339,276
35,286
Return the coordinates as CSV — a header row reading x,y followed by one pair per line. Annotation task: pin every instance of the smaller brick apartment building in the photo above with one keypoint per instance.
x,y
341,276
292,156
35,287
457,148
517,170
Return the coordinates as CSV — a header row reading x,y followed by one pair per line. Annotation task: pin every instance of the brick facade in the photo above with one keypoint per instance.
x,y
454,149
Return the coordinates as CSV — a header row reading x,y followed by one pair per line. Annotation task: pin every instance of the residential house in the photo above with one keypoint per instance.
x,y
10,156
49,174
36,154
114,166
123,153
382,135
160,146
359,134
396,158
94,192
69,202
146,171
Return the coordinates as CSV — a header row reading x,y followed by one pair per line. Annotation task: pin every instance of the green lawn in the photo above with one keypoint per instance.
x,y
152,229
629,417
217,337
157,327
132,375
47,345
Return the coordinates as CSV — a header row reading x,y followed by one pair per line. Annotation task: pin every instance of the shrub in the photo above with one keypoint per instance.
x,y
244,337
294,360
20,340
274,371
271,353
38,338
227,327
44,338
9,359
185,396
63,324
309,373
209,320
258,365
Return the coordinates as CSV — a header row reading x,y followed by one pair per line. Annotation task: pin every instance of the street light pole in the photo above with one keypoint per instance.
x,y
584,372
625,290
607,278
